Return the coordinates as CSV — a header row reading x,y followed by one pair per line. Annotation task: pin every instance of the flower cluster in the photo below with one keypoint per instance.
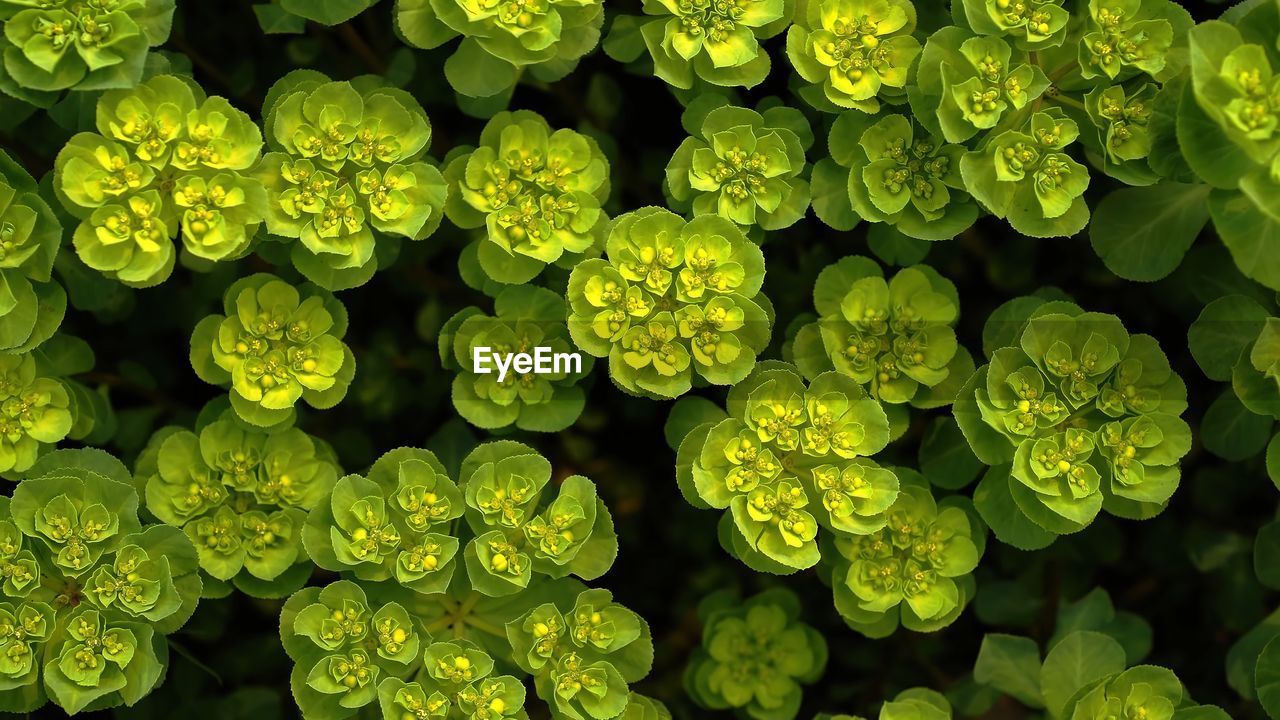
x,y
353,651
537,193
707,41
36,411
896,173
55,45
457,680
1079,416
397,523
344,648
165,161
345,173
88,593
525,319
241,494
894,337
30,235
914,571
583,656
501,40
854,53
789,459
755,655
275,344
672,299
744,166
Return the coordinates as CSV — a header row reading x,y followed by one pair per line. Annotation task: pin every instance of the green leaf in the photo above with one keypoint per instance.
x,y
1266,555
945,457
1010,664
1267,679
1224,329
1142,233
1080,659
1231,431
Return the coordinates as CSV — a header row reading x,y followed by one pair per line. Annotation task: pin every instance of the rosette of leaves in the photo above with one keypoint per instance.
x,y
1028,179
891,170
914,571
57,45
500,41
1230,122
968,84
789,458
583,657
522,529
537,192
241,495
344,647
755,655
672,299
392,525
895,337
744,166
696,42
88,592
853,53
1076,416
166,161
274,345
32,304
346,175
525,317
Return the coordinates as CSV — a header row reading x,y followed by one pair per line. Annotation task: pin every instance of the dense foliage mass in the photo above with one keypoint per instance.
x,y
640,360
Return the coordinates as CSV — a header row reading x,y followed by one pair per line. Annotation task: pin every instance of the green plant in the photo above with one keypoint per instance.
x,y
165,161
893,337
501,41
275,344
1078,416
89,593
241,495
672,299
744,166
346,175
59,45
525,318
755,655
537,192
790,458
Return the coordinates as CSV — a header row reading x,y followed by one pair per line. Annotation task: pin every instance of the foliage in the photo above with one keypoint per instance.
x,y
672,299
525,317
274,346
1078,416
755,655
537,192
53,46
237,182
744,166
89,593
165,161
346,174
241,495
